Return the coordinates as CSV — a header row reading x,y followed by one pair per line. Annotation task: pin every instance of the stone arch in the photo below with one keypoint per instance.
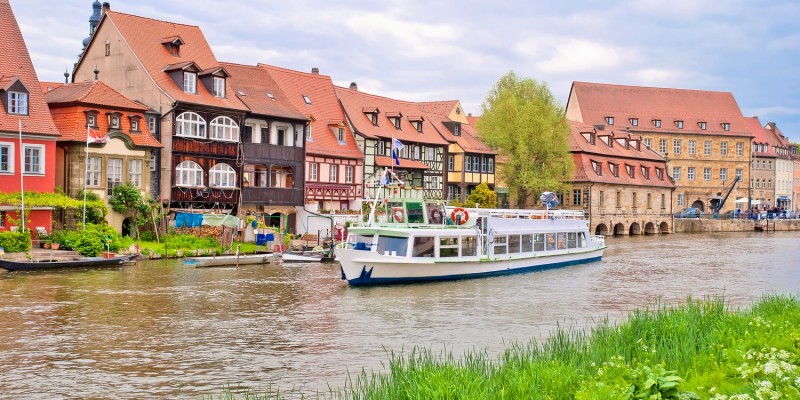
x,y
601,229
650,228
665,228
635,229
127,227
698,204
619,229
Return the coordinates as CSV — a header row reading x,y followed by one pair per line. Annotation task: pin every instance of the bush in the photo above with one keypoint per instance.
x,y
14,242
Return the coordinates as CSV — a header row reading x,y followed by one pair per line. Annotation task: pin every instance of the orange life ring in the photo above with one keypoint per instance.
x,y
464,218
437,216
397,214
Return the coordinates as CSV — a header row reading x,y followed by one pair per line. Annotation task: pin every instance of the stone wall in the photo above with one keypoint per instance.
x,y
716,225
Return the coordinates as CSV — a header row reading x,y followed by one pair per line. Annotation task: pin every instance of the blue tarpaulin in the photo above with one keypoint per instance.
x,y
187,220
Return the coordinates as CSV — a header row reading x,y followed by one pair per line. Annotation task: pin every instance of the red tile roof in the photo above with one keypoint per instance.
x,y
598,101
467,140
68,104
584,152
48,86
145,37
324,109
16,64
354,102
254,86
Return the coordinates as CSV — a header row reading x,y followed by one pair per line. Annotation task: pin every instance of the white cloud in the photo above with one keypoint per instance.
x,y
655,76
772,111
575,55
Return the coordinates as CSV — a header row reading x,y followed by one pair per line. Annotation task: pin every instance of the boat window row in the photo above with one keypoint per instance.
x,y
538,242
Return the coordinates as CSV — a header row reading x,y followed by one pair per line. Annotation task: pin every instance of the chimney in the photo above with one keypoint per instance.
x,y
315,71
106,7
353,86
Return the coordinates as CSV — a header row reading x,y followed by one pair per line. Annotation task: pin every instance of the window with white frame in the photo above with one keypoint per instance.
x,y
135,173
190,124
702,125
676,146
468,163
18,103
113,173
6,158
219,86
349,172
430,153
222,176
692,146
417,151
451,162
313,172
679,124
153,162
657,123
189,174
597,167
707,147
648,142
33,162
614,168
680,199
189,82
94,171
723,174
113,121
723,148
151,124
609,120
225,129
491,165
476,164
739,173
333,174
634,121
340,135
739,149
706,174
676,173
134,125
662,146
690,173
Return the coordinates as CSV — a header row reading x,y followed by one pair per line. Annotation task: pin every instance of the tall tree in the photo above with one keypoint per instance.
x,y
527,126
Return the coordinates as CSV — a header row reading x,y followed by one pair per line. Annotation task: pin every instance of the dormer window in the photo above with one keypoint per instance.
x,y
91,120
416,121
173,45
679,124
614,169
113,121
597,167
609,120
660,174
702,125
307,99
634,121
219,87
646,172
631,171
189,82
395,117
18,103
657,123
726,126
340,135
135,123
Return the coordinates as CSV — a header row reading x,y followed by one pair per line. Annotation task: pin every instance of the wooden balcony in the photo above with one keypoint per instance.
x,y
204,147
259,152
272,196
205,195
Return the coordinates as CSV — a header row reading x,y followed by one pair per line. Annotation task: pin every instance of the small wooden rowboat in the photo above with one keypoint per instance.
x,y
81,262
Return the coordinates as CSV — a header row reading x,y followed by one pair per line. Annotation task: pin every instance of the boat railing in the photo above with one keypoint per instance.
x,y
523,214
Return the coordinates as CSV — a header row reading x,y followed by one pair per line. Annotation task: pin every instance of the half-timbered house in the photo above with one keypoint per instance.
x,y
170,67
334,163
379,121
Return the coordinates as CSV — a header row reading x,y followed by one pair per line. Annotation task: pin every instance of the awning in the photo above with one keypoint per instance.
x,y
783,198
404,164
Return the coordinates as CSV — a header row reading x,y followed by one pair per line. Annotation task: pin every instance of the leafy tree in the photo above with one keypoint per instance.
x,y
527,126
129,201
94,215
482,196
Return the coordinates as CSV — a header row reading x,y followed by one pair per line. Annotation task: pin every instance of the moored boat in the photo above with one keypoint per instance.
x,y
76,262
228,261
427,241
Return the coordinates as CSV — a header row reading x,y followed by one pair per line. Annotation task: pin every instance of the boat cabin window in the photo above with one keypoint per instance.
x,y
527,243
448,247
572,242
551,241
416,214
395,246
500,244
581,240
469,246
562,240
423,246
360,242
538,242
513,244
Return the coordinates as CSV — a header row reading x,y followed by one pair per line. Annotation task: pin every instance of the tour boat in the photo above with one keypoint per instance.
x,y
420,241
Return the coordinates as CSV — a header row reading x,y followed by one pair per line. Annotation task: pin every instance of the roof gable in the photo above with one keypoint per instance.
x,y
92,93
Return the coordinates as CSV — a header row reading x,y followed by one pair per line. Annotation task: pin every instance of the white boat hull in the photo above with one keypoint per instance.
x,y
227,261
370,268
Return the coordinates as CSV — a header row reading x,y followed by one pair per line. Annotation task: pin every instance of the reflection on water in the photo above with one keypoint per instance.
x,y
162,329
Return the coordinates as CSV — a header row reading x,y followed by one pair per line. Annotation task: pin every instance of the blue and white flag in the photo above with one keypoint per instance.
x,y
396,144
385,179
396,159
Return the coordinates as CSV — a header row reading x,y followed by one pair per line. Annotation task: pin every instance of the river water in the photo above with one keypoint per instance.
x,y
159,329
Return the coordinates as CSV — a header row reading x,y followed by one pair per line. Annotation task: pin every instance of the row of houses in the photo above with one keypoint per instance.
x,y
149,103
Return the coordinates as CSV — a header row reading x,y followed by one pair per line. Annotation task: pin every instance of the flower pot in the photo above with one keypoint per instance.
x,y
108,254
55,246
45,245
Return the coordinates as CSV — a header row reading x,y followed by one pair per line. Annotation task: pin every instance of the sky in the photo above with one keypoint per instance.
x,y
422,50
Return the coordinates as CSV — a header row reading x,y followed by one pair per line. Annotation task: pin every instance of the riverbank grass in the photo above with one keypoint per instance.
x,y
699,350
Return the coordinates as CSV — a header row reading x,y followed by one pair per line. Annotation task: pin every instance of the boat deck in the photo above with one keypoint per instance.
x,y
39,254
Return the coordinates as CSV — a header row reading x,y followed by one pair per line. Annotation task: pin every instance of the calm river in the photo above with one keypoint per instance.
x,y
159,329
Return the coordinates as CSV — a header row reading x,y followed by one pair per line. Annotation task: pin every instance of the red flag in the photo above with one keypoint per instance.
x,y
93,136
